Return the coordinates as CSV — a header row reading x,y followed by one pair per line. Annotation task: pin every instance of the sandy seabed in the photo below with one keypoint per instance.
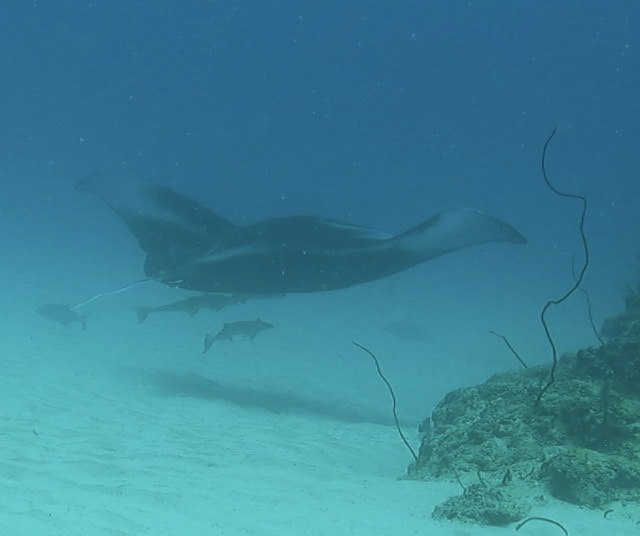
x,y
96,440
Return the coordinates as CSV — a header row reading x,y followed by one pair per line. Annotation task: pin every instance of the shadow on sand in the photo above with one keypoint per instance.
x,y
191,385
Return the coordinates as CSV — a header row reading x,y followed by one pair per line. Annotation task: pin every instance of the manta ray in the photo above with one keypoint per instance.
x,y
189,246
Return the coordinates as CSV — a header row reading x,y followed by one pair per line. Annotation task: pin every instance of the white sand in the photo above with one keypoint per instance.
x,y
121,430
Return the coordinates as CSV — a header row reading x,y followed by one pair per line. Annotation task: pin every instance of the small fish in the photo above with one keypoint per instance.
x,y
408,330
242,328
192,305
61,313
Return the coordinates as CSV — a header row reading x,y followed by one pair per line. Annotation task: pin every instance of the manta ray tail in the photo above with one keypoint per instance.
x,y
455,229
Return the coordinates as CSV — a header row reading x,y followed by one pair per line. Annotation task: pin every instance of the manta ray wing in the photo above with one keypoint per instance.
x,y
452,230
170,227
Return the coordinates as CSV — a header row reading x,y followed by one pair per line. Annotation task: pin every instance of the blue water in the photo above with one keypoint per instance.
x,y
370,112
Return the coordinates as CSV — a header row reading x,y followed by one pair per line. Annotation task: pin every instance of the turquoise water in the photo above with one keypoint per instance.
x,y
369,113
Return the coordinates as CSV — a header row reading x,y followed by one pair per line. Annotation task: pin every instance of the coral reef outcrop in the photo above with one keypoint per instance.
x,y
580,443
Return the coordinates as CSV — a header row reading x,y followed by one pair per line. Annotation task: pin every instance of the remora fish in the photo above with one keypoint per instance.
x,y
61,313
192,305
242,328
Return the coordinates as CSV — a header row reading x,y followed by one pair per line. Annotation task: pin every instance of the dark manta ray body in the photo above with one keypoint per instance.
x,y
189,246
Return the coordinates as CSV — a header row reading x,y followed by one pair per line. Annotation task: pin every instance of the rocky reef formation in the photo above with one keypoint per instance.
x,y
580,443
